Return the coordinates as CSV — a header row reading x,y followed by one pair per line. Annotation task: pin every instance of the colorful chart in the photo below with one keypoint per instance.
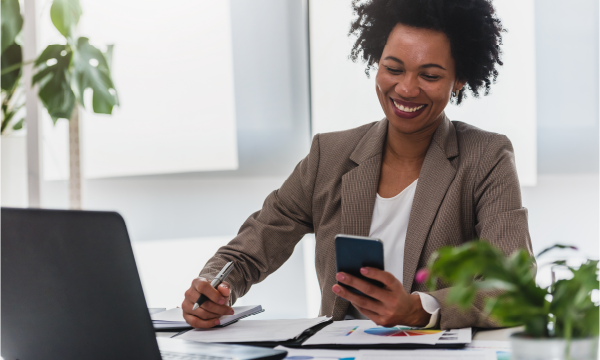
x,y
400,331
351,331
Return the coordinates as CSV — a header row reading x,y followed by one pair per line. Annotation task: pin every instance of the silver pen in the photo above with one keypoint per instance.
x,y
215,283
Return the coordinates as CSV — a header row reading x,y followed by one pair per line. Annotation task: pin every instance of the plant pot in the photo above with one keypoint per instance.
x,y
14,170
528,348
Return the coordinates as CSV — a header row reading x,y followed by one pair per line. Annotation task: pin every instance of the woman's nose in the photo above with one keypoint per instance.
x,y
408,86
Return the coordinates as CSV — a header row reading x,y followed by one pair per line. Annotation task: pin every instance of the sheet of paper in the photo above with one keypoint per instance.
x,y
318,354
156,310
502,348
456,336
176,314
367,332
254,330
171,325
426,355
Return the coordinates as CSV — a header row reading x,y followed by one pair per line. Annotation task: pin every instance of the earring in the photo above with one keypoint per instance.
x,y
454,94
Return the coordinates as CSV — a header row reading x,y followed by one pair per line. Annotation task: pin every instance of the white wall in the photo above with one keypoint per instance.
x,y
499,111
173,70
342,97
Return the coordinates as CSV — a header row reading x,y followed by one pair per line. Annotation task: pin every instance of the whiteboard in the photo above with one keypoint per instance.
x,y
173,69
342,97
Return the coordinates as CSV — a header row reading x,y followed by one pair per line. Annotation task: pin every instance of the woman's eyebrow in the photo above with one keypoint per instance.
x,y
421,67
431,65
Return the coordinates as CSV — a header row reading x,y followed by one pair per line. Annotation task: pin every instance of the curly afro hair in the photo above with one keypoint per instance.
x,y
474,31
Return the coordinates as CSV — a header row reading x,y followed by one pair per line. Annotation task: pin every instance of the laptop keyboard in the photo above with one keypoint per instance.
x,y
179,356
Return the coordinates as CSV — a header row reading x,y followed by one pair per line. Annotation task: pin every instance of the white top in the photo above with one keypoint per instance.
x,y
389,224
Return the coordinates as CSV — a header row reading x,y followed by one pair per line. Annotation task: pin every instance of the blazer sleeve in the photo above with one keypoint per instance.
x,y
268,237
500,219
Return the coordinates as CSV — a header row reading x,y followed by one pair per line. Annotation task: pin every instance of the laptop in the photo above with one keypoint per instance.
x,y
71,290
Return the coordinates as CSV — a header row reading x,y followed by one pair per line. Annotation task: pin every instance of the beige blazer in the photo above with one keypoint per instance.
x,y
467,189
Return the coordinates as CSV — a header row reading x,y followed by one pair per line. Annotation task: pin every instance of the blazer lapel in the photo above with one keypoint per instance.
x,y
359,185
436,176
359,190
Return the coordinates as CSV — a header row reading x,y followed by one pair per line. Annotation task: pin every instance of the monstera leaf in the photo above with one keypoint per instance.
x,y
12,22
91,71
65,15
54,78
11,56
65,72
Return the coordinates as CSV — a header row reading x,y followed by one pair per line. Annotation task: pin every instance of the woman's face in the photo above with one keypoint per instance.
x,y
415,78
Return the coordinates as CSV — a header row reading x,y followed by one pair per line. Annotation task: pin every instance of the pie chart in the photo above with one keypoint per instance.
x,y
400,331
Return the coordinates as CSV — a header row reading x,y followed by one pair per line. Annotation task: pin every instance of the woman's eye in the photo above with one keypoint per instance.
x,y
431,77
393,71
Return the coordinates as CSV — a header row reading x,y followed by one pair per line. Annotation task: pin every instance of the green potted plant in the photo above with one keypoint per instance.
x,y
561,320
63,73
12,101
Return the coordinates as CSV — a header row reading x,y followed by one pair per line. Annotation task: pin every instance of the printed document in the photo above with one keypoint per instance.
x,y
352,332
254,330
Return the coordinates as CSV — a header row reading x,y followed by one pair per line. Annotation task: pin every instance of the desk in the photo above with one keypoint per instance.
x,y
498,335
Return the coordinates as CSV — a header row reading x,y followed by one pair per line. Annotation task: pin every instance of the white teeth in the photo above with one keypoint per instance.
x,y
406,109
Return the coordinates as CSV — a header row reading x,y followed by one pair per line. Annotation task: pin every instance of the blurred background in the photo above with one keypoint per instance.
x,y
219,100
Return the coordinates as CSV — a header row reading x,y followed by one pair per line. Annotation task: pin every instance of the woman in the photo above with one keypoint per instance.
x,y
415,179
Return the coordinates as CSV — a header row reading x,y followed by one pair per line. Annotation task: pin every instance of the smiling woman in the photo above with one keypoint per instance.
x,y
415,180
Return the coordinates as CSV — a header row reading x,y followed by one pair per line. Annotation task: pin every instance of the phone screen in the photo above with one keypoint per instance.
x,y
354,252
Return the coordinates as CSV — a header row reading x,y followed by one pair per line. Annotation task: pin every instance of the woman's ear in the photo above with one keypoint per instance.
x,y
458,85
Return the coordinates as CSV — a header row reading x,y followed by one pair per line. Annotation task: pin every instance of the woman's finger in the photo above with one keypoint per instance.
x,y
361,301
188,308
196,322
384,277
202,286
224,289
363,286
216,308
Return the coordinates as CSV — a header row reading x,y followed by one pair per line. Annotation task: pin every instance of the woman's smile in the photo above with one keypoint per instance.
x,y
407,109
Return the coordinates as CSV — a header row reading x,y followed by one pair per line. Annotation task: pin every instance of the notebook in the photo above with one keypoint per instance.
x,y
173,319
255,331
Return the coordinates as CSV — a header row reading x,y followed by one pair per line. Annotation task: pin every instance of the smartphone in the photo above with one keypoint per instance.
x,y
355,252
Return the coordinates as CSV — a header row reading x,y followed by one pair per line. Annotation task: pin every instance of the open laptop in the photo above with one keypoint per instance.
x,y
71,290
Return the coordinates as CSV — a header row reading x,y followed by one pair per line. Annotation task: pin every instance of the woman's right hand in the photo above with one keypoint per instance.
x,y
207,315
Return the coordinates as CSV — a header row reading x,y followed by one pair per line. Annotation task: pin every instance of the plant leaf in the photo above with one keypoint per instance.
x,y
55,81
478,266
557,246
65,15
12,22
12,55
19,124
91,70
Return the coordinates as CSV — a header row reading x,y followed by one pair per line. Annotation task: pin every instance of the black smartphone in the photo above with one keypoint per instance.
x,y
355,252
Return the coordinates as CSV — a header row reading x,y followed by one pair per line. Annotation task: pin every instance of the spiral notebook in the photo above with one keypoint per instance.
x,y
173,319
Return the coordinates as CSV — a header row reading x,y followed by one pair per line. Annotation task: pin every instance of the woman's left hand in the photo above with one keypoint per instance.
x,y
389,306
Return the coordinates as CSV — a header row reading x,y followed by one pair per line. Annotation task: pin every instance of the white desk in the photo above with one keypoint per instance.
x,y
498,335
